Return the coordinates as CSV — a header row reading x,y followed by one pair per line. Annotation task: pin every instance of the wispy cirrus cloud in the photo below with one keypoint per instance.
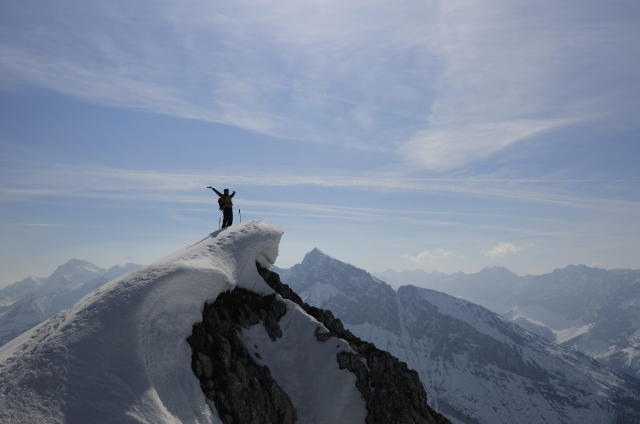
x,y
323,71
443,83
33,180
518,70
446,147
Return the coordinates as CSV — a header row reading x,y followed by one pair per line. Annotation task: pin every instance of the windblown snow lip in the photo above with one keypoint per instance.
x,y
122,349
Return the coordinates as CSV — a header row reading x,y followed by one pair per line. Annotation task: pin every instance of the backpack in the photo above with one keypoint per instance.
x,y
220,204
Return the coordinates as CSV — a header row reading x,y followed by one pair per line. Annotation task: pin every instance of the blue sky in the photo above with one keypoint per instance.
x,y
446,135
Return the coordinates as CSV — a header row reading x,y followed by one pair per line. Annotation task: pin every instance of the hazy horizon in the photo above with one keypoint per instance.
x,y
370,271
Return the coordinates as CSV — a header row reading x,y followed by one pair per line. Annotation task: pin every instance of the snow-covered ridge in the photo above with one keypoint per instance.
x,y
119,355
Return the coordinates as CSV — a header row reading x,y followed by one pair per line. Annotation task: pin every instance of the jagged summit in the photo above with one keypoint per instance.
x,y
497,270
318,257
316,253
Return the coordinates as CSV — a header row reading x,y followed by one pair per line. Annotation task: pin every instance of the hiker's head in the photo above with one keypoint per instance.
x,y
226,191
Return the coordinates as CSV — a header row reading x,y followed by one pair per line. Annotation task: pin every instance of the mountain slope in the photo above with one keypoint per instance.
x,y
477,366
591,310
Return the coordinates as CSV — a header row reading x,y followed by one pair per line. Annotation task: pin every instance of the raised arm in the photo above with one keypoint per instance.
x,y
217,192
233,194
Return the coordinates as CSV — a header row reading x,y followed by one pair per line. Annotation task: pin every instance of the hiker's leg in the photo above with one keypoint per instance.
x,y
228,217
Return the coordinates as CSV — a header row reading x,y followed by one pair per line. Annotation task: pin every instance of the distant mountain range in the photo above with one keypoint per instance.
x,y
476,365
591,310
31,301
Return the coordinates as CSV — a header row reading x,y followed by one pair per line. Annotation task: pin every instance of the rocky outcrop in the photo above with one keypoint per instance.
x,y
393,393
242,391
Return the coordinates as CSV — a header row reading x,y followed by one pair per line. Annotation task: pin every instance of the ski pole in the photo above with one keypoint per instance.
x,y
239,213
219,219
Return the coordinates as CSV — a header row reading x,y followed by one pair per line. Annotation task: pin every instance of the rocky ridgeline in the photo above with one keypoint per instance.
x,y
244,392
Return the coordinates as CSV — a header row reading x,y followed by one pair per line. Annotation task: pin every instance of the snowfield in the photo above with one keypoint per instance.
x,y
120,354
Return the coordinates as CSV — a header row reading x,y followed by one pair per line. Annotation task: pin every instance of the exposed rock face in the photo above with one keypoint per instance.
x,y
242,391
393,392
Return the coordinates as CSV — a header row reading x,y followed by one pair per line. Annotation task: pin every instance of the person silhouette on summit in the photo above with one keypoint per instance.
x,y
226,205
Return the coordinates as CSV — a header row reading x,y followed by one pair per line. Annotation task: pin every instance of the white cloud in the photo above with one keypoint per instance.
x,y
503,249
427,256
